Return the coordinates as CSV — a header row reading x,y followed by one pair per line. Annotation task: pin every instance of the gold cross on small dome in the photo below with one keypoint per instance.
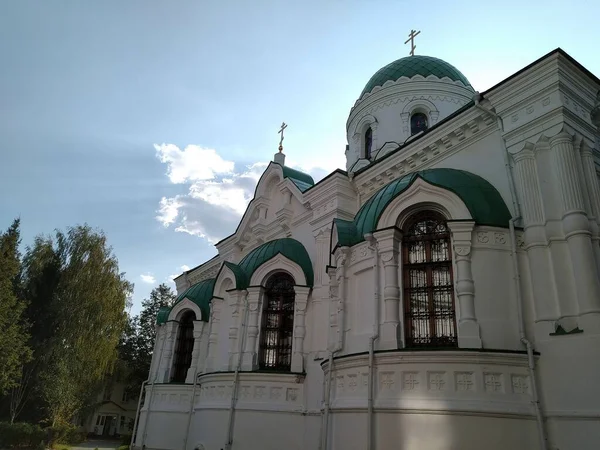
x,y
283,127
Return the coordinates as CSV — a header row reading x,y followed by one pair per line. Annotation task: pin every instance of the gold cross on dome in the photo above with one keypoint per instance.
x,y
411,39
283,127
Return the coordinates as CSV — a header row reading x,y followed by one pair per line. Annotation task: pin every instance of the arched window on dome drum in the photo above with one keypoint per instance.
x,y
368,142
429,312
277,327
182,359
418,123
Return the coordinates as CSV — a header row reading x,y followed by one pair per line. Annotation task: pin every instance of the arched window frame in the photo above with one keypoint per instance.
x,y
184,347
277,323
360,130
427,271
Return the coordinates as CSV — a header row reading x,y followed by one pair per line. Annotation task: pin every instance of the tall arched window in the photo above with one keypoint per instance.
x,y
368,142
277,325
429,314
418,122
182,359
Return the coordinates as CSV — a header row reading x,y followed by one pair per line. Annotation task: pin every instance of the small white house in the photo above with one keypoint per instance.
x,y
442,293
114,414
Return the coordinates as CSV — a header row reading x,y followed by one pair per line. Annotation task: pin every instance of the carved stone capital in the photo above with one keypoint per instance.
x,y
462,250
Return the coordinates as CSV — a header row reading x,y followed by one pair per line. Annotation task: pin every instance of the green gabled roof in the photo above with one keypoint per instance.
x,y
201,293
302,180
163,315
288,247
481,198
414,65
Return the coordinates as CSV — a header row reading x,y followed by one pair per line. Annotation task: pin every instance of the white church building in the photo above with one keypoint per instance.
x,y
442,293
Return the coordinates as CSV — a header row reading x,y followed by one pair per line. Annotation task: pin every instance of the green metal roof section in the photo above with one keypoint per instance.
x,y
163,315
414,65
241,280
302,180
481,198
288,247
201,293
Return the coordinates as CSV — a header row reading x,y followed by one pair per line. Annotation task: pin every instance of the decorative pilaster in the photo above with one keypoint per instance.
x,y
198,328
164,375
388,243
249,358
213,338
300,304
158,351
203,357
333,307
576,228
235,300
469,335
536,246
591,181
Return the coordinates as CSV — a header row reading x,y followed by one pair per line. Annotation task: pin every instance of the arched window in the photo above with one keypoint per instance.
x,y
182,359
277,325
418,122
429,314
368,142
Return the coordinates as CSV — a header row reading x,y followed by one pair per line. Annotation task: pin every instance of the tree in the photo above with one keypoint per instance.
x,y
137,342
77,299
14,352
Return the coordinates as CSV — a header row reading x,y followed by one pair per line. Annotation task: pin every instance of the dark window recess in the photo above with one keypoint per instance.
x,y
368,143
429,312
418,123
277,326
184,347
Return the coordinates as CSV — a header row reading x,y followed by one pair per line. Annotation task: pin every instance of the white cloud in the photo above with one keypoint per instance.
x,y
218,193
148,278
193,163
185,268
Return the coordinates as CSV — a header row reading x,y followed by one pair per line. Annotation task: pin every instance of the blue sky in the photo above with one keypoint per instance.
x,y
153,119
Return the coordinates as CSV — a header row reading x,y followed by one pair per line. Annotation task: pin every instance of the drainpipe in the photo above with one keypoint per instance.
x,y
337,348
236,376
151,389
137,415
517,278
374,336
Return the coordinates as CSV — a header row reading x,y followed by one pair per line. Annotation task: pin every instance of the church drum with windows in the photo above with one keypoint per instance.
x,y
441,293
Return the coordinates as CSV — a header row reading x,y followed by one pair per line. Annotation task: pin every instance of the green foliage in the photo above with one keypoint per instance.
x,y
14,351
123,447
21,435
77,299
64,433
137,341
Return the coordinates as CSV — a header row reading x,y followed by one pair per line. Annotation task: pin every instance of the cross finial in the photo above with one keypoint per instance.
x,y
283,127
411,39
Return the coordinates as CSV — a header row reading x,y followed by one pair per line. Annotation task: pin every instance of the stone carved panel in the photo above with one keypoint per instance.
x,y
436,381
494,382
387,380
520,384
464,381
410,381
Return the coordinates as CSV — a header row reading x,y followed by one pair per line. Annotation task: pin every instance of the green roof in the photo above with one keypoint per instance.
x,y
288,247
414,65
163,315
481,198
201,293
302,180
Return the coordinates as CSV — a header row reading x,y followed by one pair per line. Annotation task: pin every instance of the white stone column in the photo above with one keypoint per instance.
x,y
591,181
469,335
158,351
333,307
250,356
536,245
388,242
169,347
300,304
235,300
198,328
576,228
216,306
203,357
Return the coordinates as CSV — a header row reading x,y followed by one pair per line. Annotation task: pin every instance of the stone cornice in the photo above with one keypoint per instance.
x,y
440,143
